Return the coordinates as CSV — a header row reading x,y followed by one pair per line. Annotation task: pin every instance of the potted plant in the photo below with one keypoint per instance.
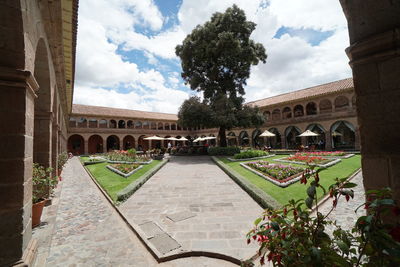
x,y
61,160
42,186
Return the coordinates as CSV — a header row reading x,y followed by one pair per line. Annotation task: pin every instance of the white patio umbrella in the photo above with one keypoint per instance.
x,y
198,139
336,134
308,133
267,133
173,139
230,136
209,138
183,139
154,137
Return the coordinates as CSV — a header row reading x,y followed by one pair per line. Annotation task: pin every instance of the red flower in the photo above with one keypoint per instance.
x,y
347,197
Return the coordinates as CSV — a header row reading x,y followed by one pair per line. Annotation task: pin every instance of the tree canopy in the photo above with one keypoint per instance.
x,y
216,59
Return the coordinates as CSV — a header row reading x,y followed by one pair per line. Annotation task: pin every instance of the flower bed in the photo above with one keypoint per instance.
x,y
280,175
94,160
126,157
298,158
124,170
255,158
331,154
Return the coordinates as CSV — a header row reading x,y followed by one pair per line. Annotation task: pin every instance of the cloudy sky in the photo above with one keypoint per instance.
x,y
126,48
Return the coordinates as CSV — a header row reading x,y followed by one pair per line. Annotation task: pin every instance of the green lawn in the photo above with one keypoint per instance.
x,y
297,191
111,182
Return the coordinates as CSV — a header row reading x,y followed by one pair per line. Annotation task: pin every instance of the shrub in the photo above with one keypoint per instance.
x,y
225,151
131,152
292,236
61,160
43,182
250,154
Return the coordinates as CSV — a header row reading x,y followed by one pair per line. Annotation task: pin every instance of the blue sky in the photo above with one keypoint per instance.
x,y
126,48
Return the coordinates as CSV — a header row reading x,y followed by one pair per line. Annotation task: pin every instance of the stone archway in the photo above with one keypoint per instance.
x,y
42,137
143,145
128,142
343,135
293,141
318,141
244,139
95,144
76,144
231,139
276,141
112,143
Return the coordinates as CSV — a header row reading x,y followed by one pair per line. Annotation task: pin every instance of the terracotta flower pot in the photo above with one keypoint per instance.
x,y
37,210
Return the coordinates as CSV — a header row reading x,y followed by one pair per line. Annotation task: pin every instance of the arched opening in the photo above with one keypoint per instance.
x,y
128,142
244,139
293,141
298,111
258,142
143,145
343,135
341,103
92,123
276,115
212,142
173,126
103,123
95,144
179,128
113,124
276,141
231,139
325,106
166,126
160,126
42,136
267,115
189,140
112,143
82,123
286,113
121,124
138,125
146,125
76,144
72,123
129,124
153,125
165,142
316,142
311,108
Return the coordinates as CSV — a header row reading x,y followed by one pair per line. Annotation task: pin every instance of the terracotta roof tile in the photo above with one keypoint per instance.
x,y
314,91
120,113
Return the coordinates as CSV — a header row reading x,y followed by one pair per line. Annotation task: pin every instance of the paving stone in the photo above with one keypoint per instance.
x,y
151,229
180,216
164,243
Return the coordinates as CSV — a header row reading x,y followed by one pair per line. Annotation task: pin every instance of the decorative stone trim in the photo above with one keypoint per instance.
x,y
288,181
326,165
125,193
259,196
126,175
130,162
263,157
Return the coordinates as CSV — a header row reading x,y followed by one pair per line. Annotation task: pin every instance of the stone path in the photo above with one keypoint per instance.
x,y
345,214
89,232
192,205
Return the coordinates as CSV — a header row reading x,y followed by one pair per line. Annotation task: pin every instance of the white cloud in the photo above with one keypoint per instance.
x,y
108,26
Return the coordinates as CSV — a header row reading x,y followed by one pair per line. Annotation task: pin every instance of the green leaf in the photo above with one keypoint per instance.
x,y
343,246
257,221
311,191
349,185
275,226
309,202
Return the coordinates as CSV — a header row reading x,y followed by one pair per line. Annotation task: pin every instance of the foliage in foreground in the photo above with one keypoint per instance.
x,y
216,60
223,151
43,182
292,237
250,154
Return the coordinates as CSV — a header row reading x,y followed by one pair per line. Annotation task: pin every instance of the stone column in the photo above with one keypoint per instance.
x,y
17,98
283,141
85,145
328,140
104,144
374,28
42,143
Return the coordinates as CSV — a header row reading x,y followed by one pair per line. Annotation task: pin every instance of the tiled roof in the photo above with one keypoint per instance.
x,y
315,91
120,113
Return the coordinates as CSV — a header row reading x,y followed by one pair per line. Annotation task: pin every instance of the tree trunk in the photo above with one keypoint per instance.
x,y
222,137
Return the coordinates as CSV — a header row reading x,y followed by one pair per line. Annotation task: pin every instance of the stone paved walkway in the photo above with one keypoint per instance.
x,y
345,214
198,205
89,232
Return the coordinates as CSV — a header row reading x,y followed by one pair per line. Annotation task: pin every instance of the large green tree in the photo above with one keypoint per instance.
x,y
216,59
